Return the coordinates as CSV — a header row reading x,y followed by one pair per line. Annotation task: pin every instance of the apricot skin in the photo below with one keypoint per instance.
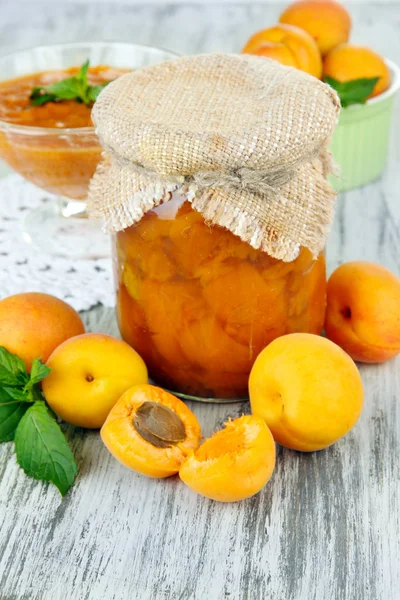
x,y
348,62
234,464
126,444
363,311
89,373
288,45
327,21
308,391
32,325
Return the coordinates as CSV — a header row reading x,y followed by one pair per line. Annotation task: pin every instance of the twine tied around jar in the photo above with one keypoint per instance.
x,y
256,181
243,136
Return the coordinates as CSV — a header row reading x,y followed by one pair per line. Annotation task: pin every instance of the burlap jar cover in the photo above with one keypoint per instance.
x,y
244,137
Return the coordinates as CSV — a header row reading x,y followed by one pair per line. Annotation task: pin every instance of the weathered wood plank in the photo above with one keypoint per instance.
x,y
327,526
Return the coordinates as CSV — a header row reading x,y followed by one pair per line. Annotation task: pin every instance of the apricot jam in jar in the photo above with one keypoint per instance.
x,y
199,305
213,181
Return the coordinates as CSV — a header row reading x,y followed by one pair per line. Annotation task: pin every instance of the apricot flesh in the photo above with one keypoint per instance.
x,y
327,22
89,373
234,463
203,309
145,455
308,391
363,311
33,324
348,62
289,45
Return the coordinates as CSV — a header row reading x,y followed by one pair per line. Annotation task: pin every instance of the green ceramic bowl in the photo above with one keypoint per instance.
x,y
361,138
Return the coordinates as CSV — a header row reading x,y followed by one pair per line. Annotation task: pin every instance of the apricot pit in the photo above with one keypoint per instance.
x,y
159,425
151,431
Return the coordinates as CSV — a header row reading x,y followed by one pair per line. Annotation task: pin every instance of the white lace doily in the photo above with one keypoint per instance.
x,y
23,268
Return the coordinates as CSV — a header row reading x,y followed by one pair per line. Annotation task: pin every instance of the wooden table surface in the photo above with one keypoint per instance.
x,y
327,525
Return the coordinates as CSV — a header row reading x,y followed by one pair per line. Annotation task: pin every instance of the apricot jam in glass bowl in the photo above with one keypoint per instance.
x,y
199,305
55,146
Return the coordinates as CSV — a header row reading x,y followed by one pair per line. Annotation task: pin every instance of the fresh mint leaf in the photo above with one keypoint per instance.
x,y
355,91
7,378
15,393
42,450
72,88
37,98
11,412
83,71
11,362
15,381
31,390
38,371
66,89
94,90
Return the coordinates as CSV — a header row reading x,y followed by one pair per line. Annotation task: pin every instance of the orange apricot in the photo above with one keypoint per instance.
x,y
289,45
363,311
348,62
151,431
308,391
327,22
32,325
88,374
234,463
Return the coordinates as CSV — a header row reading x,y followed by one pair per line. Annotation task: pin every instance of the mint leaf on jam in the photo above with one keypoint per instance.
x,y
72,88
355,91
42,450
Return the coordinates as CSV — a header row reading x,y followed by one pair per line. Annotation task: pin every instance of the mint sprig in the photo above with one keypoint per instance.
x,y
11,412
41,448
356,91
72,88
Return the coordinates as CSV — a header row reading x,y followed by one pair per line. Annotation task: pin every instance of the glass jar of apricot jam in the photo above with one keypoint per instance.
x,y
199,304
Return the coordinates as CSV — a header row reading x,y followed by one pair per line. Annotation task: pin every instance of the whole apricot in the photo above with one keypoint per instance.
x,y
328,22
233,464
151,431
348,62
89,373
307,389
32,325
288,45
363,311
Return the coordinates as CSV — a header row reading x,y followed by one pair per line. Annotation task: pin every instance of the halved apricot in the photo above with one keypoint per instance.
x,y
233,464
151,431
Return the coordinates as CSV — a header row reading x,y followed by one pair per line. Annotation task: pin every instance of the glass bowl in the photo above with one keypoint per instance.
x,y
62,161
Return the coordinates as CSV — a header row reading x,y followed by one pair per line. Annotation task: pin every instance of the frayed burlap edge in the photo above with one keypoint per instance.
x,y
140,193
